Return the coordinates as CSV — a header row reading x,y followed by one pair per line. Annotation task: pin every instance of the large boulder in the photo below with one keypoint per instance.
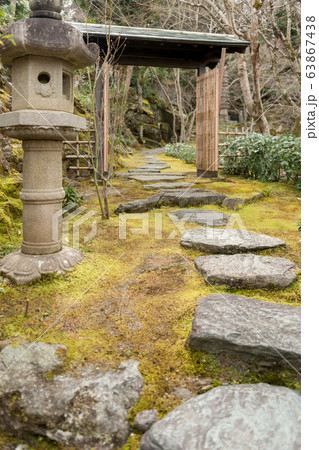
x,y
252,329
239,417
228,241
247,271
86,410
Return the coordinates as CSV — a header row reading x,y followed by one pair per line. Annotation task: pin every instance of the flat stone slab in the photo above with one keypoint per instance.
x,y
139,206
143,178
201,216
252,329
181,198
247,271
228,241
191,197
166,186
155,165
238,417
150,170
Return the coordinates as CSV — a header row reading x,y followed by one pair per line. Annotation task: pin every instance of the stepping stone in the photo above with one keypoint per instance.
x,y
149,170
157,165
143,178
155,161
252,329
237,417
176,197
166,186
123,175
201,216
190,197
247,271
228,241
139,206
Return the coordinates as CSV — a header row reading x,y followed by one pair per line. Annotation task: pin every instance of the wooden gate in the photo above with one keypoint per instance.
x,y
207,122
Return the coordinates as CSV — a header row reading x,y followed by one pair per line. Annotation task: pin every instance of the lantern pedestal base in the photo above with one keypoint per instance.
x,y
23,268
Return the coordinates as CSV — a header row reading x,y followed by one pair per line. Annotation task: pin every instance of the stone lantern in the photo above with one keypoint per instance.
x,y
46,53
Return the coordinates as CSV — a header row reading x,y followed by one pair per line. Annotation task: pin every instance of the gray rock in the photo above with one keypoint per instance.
x,y
139,206
201,216
123,175
247,271
166,186
188,197
183,197
234,203
252,329
239,417
155,165
228,241
148,170
145,419
255,198
182,393
84,411
143,178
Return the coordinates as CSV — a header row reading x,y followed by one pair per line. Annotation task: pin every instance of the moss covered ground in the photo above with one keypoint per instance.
x,y
136,297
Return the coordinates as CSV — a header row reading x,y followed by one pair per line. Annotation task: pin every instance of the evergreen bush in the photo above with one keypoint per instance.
x,y
269,158
185,152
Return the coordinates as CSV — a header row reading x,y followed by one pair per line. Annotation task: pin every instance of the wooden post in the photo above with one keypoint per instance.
x,y
77,146
207,115
221,73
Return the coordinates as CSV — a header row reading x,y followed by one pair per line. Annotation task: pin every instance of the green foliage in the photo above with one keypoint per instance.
x,y
185,152
298,224
10,203
269,158
72,197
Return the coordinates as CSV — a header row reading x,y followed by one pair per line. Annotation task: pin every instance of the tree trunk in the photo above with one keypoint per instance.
x,y
244,83
179,97
259,115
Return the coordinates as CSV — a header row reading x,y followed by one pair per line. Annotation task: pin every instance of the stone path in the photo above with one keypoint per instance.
x,y
241,417
151,172
228,241
247,271
256,330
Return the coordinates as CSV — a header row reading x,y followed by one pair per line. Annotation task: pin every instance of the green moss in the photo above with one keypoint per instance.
x,y
136,298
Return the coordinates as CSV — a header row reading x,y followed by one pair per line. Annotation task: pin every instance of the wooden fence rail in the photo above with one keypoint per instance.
x,y
238,131
78,154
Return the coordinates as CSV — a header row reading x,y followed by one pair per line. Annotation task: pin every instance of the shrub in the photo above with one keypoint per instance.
x,y
185,152
269,158
72,197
